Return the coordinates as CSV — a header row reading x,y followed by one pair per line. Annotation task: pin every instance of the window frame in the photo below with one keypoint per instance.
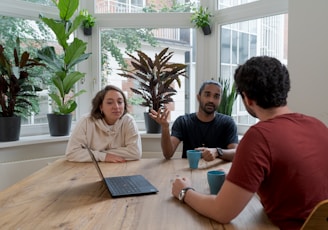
x,y
208,49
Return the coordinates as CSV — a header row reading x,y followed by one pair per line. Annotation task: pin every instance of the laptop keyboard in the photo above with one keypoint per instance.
x,y
124,184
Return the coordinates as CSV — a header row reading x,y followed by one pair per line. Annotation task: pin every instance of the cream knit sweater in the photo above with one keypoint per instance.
x,y
122,139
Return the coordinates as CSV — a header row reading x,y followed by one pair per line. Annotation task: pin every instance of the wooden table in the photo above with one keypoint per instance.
x,y
66,195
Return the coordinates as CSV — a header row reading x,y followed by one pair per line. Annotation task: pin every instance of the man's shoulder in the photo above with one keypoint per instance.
x,y
221,116
186,117
184,120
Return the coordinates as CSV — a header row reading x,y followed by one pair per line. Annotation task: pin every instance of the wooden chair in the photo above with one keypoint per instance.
x,y
318,218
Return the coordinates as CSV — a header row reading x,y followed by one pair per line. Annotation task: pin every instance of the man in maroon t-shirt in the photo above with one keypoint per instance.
x,y
283,158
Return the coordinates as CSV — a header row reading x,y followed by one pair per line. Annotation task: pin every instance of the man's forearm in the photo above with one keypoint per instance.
x,y
167,147
228,154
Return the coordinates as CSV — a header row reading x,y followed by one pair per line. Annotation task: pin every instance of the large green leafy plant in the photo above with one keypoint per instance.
x,y
228,97
63,65
18,95
155,77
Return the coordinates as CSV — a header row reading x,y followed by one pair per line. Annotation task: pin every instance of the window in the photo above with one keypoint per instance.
x,y
42,2
242,40
222,4
242,26
151,41
33,35
116,41
143,6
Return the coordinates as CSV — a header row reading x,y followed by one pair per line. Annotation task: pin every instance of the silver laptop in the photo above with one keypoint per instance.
x,y
122,186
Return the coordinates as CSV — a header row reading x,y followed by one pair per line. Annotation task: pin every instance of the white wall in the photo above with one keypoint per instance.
x,y
20,159
307,57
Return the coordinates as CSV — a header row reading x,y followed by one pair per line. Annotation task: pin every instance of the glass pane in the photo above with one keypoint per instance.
x,y
243,40
32,36
142,6
42,2
149,41
230,3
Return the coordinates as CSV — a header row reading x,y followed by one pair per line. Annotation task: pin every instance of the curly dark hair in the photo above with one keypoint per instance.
x,y
265,80
99,98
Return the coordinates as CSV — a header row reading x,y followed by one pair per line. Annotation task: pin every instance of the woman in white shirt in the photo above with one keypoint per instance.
x,y
110,132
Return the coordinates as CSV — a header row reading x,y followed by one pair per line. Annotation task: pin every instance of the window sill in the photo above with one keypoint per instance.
x,y
32,140
40,139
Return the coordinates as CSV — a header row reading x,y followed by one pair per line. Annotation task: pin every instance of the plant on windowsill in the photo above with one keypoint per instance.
x,y
155,78
63,65
88,22
201,19
18,97
228,97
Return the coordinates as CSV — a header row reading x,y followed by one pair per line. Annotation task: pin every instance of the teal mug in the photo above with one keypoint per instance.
x,y
193,157
215,180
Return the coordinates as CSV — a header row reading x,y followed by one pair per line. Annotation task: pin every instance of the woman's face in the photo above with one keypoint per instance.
x,y
112,106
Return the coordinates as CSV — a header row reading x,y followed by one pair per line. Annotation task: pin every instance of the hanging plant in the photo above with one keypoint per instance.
x,y
88,22
201,19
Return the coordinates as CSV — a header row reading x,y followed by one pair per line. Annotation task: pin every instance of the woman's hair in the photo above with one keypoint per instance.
x,y
265,80
99,98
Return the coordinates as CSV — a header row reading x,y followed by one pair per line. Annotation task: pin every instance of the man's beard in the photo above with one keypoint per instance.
x,y
250,111
208,108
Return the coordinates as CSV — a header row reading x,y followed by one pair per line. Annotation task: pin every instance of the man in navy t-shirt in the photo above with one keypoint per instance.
x,y
213,133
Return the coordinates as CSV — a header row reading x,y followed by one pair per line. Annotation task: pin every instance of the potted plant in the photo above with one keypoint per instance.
x,y
201,19
228,97
63,65
155,78
18,96
88,22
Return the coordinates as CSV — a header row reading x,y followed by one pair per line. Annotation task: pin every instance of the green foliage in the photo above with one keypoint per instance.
x,y
17,92
63,66
26,30
170,7
38,32
135,100
155,77
89,20
228,97
32,35
132,39
201,17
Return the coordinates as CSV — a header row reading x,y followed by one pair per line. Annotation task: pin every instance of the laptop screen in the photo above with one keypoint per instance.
x,y
95,162
121,186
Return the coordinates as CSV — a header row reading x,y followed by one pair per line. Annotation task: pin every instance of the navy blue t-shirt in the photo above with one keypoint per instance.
x,y
220,132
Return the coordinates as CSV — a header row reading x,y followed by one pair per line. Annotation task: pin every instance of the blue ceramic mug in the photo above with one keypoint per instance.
x,y
193,158
215,180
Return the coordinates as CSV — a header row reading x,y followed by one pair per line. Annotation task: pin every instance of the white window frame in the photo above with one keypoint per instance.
x,y
207,46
